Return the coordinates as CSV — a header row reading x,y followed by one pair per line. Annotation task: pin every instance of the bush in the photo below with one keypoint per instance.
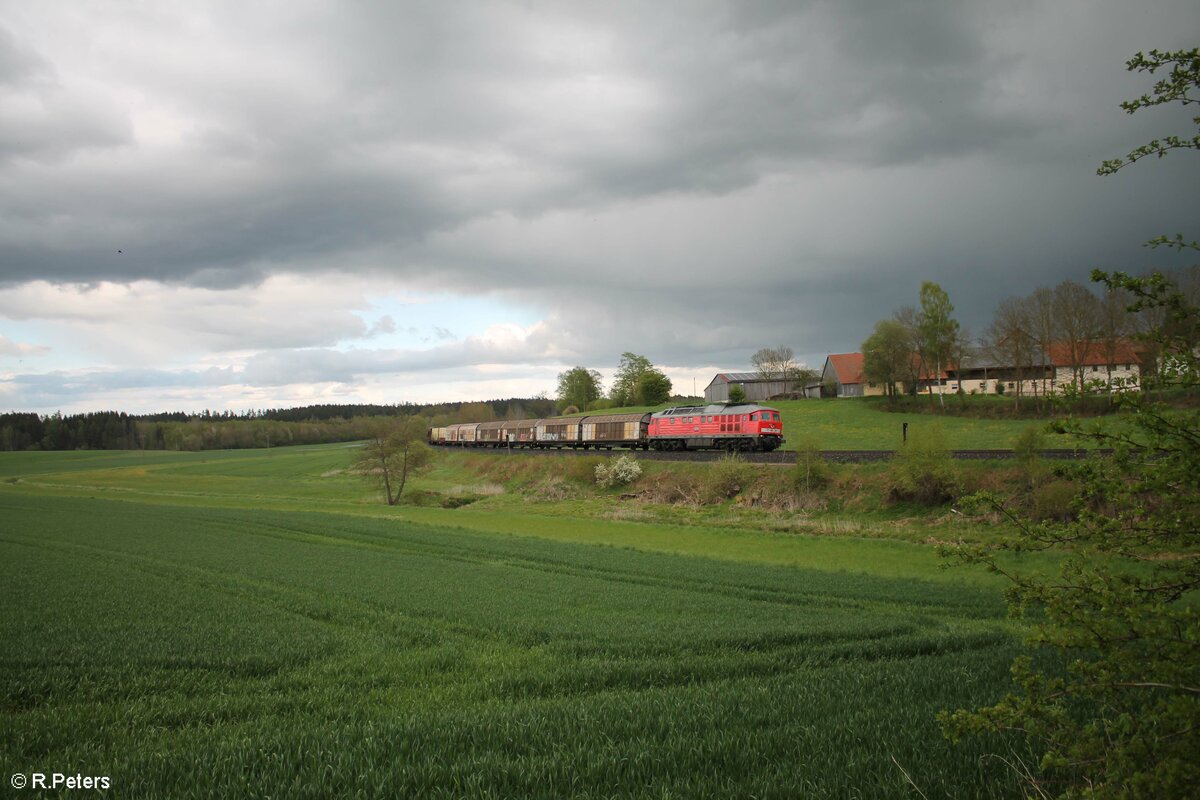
x,y
812,471
1055,501
1027,448
620,471
727,477
925,472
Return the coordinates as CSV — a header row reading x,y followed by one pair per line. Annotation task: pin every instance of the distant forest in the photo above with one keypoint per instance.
x,y
275,427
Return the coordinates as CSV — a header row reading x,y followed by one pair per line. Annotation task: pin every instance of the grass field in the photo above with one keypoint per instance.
x,y
250,624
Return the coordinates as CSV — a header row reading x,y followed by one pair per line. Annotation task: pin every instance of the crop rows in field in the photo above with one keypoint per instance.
x,y
207,653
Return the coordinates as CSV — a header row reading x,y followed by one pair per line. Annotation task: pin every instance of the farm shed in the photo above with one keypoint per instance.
x,y
843,375
753,384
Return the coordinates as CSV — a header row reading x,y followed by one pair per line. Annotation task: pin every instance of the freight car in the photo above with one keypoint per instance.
x,y
744,426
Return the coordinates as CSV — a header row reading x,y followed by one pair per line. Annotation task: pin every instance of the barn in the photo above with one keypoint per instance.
x,y
843,376
756,387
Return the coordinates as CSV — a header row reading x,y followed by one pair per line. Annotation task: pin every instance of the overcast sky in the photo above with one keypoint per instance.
x,y
248,205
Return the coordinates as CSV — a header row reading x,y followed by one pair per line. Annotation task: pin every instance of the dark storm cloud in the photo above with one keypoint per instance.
x,y
43,120
349,134
692,180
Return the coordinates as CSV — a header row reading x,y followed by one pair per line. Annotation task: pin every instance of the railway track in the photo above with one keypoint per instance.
x,y
784,456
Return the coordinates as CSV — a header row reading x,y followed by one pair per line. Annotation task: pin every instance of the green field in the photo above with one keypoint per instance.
x,y
858,424
251,624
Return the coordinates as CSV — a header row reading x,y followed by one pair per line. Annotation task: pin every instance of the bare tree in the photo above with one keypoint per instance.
x,y
779,364
774,363
1077,318
1116,324
1044,329
1010,341
907,317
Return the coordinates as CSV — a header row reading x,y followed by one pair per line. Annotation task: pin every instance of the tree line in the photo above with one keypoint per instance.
x,y
213,430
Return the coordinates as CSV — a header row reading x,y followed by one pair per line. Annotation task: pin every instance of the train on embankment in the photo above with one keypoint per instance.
x,y
723,426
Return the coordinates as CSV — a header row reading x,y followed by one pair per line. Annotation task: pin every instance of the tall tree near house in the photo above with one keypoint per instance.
x,y
937,331
653,387
624,388
578,387
887,356
1115,327
962,350
909,321
1044,328
393,454
1009,342
1077,316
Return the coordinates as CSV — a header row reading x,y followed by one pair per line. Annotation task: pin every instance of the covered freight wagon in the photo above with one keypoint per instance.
x,y
614,430
558,432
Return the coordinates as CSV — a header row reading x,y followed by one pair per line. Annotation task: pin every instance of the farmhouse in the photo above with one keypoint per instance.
x,y
979,373
755,385
1058,366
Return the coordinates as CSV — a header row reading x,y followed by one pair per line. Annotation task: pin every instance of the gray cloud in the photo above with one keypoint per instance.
x,y
691,181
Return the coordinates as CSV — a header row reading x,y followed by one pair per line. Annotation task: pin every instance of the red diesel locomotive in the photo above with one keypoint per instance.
x,y
729,427
744,426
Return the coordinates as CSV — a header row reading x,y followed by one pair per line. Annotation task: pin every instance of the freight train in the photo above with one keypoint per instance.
x,y
742,426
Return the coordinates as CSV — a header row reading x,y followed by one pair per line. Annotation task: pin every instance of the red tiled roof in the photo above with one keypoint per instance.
x,y
1096,354
848,366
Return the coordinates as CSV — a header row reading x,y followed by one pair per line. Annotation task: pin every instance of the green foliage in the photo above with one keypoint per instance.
x,y
652,388
925,472
1116,710
625,382
393,454
812,471
937,330
1054,500
1028,446
736,393
578,386
581,469
887,355
1183,79
727,477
